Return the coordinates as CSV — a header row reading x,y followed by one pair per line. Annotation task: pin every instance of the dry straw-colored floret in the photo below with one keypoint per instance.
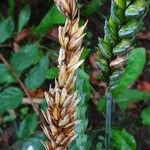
x,y
60,114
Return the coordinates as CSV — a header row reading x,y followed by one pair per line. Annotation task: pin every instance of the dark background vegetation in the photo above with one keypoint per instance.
x,y
28,64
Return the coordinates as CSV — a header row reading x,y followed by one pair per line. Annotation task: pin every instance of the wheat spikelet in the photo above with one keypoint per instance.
x,y
60,114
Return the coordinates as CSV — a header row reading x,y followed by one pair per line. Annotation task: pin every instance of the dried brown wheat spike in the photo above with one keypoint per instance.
x,y
60,114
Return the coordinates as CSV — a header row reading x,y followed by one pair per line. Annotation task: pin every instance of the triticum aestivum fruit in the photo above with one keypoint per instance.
x,y
60,114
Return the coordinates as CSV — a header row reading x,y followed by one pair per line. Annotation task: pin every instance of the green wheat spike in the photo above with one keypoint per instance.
x,y
120,30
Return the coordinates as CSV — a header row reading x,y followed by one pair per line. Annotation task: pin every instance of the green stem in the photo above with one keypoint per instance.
x,y
108,119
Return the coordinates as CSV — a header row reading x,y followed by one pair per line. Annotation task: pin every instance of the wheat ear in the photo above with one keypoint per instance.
x,y
60,114
124,22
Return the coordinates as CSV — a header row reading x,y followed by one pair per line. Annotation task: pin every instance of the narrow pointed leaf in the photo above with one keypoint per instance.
x,y
6,29
24,17
53,17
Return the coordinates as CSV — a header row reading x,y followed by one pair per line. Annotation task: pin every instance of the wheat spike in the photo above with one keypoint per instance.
x,y
62,99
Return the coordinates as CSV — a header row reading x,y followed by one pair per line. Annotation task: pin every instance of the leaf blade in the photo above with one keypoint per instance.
x,y
145,116
52,17
10,98
38,74
123,140
27,126
34,142
6,29
25,57
5,75
24,17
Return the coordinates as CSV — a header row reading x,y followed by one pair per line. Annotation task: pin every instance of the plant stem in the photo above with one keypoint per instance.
x,y
6,46
108,119
19,81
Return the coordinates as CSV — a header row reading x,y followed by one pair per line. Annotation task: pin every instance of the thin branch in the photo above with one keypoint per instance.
x,y
35,100
6,46
19,81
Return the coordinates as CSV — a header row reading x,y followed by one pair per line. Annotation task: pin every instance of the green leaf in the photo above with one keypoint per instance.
x,y
37,75
11,117
6,29
34,143
27,126
53,17
131,96
135,65
82,74
24,17
5,75
122,140
52,73
145,115
10,98
130,140
81,109
84,81
25,57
